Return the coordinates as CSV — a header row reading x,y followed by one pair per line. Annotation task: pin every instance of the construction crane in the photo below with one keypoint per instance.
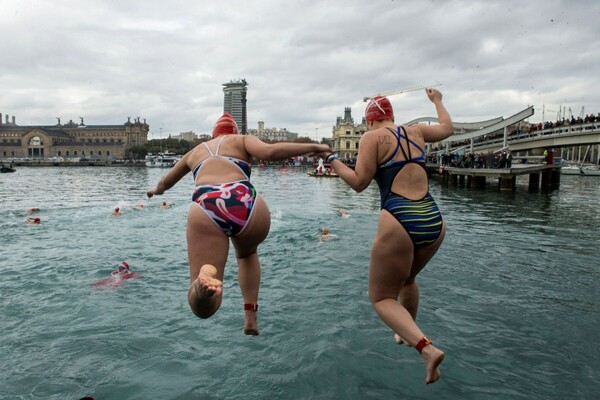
x,y
405,90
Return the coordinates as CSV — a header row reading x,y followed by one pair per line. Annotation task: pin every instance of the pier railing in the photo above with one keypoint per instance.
x,y
590,128
496,140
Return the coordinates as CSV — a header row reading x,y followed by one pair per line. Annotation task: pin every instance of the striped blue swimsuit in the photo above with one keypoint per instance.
x,y
421,218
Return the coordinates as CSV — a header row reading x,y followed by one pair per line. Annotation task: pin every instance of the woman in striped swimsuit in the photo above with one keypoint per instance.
x,y
411,228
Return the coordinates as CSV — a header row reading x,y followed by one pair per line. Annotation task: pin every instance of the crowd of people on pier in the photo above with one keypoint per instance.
x,y
565,122
523,130
500,159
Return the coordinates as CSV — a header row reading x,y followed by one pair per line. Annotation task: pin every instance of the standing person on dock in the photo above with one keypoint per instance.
x,y
225,205
410,228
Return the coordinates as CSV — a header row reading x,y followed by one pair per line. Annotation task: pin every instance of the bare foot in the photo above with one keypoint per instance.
x,y
204,294
207,285
399,340
250,325
250,322
432,357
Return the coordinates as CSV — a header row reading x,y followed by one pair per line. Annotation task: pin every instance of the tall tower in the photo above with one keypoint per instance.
x,y
235,102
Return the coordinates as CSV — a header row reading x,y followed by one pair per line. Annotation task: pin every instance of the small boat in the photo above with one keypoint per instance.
x,y
6,169
570,170
322,171
585,170
161,160
323,175
590,170
582,169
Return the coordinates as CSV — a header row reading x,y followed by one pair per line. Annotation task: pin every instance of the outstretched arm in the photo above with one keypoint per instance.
x,y
361,176
178,171
435,133
280,151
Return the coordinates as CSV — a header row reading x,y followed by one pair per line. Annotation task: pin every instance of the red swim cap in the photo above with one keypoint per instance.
x,y
225,126
379,108
124,264
36,220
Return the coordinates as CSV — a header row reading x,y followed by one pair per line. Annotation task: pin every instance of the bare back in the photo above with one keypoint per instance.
x,y
218,169
411,180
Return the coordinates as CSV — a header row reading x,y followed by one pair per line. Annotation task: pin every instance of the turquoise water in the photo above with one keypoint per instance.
x,y
512,297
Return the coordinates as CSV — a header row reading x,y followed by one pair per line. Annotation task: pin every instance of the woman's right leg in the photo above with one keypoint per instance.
x,y
207,251
246,246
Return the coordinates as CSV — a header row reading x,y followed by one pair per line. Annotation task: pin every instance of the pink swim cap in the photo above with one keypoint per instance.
x,y
225,126
379,108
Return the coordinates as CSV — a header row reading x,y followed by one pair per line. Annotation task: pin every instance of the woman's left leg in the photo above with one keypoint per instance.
x,y
409,292
391,264
424,254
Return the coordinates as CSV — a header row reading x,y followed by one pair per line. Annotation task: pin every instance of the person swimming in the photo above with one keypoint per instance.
x,y
123,271
117,211
325,235
32,220
118,276
342,213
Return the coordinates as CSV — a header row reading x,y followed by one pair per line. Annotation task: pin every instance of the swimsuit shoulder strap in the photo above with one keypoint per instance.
x,y
208,148
396,149
405,136
219,146
408,143
199,165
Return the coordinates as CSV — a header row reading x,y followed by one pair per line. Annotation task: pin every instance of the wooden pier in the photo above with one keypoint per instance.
x,y
476,177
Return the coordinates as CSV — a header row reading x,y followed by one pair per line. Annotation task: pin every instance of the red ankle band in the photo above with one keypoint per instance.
x,y
251,307
422,343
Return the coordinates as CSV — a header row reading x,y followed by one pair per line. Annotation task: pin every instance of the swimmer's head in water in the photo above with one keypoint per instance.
x,y
225,126
379,108
117,209
123,267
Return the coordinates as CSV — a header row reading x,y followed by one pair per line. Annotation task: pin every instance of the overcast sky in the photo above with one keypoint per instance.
x,y
304,61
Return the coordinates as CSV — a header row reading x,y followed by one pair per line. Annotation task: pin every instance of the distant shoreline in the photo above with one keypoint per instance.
x,y
87,163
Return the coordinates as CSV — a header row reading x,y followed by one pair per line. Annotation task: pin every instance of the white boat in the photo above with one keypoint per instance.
x,y
161,160
585,170
582,169
590,170
570,170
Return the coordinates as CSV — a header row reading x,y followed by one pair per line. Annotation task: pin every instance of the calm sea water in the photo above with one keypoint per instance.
x,y
512,296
